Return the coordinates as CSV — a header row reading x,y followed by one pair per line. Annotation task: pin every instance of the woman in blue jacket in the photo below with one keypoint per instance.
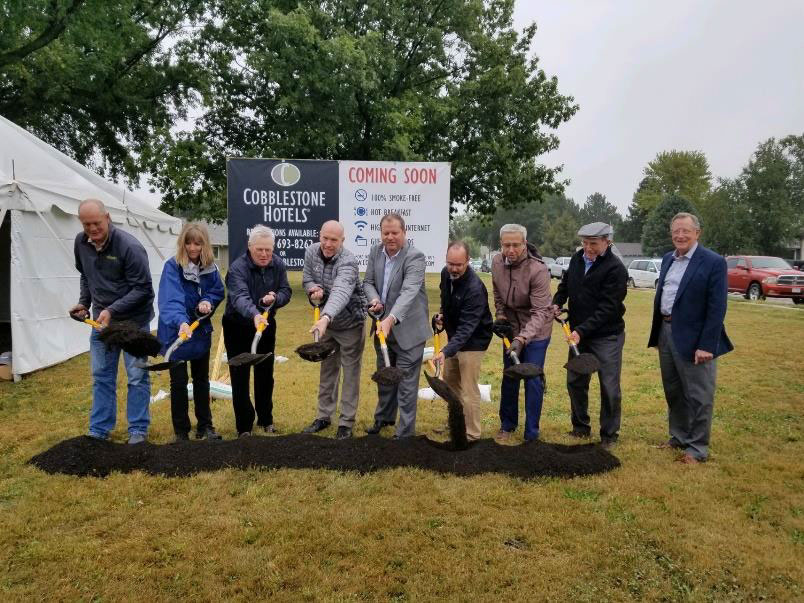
x,y
190,288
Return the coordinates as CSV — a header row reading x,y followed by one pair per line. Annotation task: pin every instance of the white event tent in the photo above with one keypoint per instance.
x,y
40,189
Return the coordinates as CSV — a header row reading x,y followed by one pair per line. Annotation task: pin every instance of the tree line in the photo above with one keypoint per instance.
x,y
757,212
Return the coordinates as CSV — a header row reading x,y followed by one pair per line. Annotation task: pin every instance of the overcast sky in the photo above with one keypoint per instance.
x,y
717,76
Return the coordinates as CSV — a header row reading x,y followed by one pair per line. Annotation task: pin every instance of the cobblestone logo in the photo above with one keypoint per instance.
x,y
285,174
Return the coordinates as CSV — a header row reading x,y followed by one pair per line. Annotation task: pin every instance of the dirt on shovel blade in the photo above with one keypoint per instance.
x,y
584,364
523,371
133,340
316,352
85,456
388,375
455,417
247,359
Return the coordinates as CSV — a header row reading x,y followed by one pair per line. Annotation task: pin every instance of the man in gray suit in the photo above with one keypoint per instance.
x,y
394,287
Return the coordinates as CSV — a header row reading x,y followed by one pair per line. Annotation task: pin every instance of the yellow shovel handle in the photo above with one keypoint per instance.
x,y
380,334
316,314
567,332
93,323
506,343
262,325
193,327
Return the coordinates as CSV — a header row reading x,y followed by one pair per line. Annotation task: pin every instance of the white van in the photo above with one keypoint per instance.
x,y
644,273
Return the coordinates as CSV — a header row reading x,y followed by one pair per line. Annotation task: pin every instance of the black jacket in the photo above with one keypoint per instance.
x,y
116,278
596,306
467,318
247,283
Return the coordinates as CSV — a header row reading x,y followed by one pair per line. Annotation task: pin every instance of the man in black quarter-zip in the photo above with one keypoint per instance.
x,y
595,285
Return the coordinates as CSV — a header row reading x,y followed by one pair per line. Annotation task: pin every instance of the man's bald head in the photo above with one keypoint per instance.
x,y
331,236
95,220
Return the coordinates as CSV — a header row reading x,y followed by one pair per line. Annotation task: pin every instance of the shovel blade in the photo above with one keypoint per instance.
x,y
388,375
523,371
161,366
583,364
247,359
316,352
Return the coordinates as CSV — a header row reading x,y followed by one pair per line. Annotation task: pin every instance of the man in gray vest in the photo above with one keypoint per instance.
x,y
331,274
394,286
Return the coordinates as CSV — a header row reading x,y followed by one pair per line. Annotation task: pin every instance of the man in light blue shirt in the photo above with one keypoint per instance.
x,y
673,278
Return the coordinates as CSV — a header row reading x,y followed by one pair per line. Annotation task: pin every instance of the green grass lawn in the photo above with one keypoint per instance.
x,y
732,529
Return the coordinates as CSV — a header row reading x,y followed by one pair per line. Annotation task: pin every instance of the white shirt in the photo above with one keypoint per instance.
x,y
672,279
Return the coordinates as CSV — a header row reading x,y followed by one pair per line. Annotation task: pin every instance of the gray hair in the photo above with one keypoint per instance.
x,y
518,228
683,214
259,231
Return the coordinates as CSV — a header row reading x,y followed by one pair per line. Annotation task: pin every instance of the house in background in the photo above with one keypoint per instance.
x,y
627,251
219,239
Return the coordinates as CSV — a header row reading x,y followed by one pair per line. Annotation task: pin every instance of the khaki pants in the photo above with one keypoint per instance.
x,y
347,359
461,374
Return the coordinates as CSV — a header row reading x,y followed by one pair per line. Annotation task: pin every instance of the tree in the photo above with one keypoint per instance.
x,y
656,239
772,183
597,209
561,237
683,173
94,78
371,80
726,219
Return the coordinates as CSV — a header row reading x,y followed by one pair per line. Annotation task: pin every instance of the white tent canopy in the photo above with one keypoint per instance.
x,y
40,188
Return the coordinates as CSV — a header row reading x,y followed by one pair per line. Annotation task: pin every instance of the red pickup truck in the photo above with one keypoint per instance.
x,y
764,276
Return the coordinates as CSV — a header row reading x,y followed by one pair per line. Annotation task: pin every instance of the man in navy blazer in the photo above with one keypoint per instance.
x,y
688,314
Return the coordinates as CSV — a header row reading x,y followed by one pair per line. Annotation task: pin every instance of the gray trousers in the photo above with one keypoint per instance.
x,y
349,356
609,351
690,392
403,396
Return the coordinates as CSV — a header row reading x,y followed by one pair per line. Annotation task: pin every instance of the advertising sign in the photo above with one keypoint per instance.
x,y
294,198
417,191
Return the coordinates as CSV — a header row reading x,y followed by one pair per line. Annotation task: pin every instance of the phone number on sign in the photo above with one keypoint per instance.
x,y
294,243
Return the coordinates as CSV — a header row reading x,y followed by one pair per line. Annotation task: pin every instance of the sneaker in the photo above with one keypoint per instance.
x,y
503,436
136,438
208,434
269,428
316,426
245,434
179,437
344,433
97,436
607,443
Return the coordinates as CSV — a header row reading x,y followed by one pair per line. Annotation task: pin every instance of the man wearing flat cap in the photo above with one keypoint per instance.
x,y
595,285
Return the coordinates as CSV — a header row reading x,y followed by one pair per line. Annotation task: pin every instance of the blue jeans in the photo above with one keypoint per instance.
x,y
104,360
535,353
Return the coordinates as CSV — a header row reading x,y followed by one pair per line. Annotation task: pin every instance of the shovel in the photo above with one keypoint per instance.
x,y
520,370
167,363
455,416
126,335
583,364
316,351
250,359
387,375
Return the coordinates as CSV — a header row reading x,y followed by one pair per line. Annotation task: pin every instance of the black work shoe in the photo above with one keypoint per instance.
x,y
577,433
344,433
607,443
208,434
377,427
180,437
316,426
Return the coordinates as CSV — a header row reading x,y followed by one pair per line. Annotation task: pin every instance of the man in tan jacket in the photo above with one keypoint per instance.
x,y
522,299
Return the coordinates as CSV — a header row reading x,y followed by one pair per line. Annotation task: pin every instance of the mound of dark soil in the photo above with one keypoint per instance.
x,y
85,456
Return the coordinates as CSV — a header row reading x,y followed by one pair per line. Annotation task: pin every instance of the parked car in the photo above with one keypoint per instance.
x,y
476,264
559,267
547,261
764,276
798,264
644,273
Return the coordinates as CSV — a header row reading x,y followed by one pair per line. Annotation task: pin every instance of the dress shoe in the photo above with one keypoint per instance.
x,y
180,437
607,443
244,434
578,433
688,459
344,433
316,426
377,427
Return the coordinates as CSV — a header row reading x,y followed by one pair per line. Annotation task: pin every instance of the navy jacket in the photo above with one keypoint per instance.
x,y
467,318
596,305
116,278
179,296
248,283
699,307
